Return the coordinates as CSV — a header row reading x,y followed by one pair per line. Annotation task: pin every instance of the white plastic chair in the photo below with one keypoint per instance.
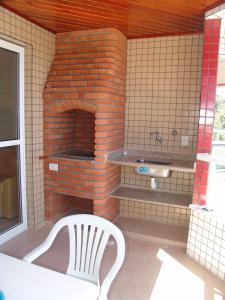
x,y
88,235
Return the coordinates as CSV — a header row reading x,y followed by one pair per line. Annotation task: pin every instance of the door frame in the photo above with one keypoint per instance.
x,y
20,142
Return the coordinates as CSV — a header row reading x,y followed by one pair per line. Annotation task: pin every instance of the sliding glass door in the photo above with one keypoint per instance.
x,y
12,163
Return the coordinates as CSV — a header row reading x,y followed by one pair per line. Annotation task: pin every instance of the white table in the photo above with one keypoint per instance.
x,y
20,280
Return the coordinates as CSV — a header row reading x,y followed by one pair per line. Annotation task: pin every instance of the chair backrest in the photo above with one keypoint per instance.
x,y
88,236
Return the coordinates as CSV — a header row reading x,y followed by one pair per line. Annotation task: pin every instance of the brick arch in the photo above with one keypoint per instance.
x,y
72,104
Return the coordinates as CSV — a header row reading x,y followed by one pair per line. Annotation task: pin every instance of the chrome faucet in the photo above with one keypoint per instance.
x,y
157,136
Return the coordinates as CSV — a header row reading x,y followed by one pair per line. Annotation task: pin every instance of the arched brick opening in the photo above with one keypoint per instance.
x,y
70,131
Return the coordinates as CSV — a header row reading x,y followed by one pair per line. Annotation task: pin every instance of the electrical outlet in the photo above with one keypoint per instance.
x,y
53,167
184,140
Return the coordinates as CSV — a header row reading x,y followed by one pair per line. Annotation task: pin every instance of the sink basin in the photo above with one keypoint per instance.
x,y
154,161
153,171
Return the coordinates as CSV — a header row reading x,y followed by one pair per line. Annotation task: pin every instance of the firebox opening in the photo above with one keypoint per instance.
x,y
65,205
80,205
78,135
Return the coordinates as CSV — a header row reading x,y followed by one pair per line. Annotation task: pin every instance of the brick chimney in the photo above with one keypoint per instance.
x,y
84,109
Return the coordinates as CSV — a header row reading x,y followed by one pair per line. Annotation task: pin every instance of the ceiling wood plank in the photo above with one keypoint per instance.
x,y
135,18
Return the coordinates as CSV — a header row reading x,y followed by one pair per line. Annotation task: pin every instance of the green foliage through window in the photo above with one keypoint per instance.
x,y
219,122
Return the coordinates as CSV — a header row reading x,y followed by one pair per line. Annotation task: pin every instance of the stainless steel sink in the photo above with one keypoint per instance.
x,y
153,171
154,161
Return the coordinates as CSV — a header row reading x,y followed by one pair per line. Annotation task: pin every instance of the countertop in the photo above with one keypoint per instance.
x,y
179,162
156,197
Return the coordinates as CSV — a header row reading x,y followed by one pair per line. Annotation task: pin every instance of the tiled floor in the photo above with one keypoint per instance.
x,y
154,232
151,271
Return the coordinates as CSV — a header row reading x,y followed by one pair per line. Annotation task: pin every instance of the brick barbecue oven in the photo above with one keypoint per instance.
x,y
84,108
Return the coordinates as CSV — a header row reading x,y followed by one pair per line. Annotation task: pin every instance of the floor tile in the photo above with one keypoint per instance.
x,y
151,270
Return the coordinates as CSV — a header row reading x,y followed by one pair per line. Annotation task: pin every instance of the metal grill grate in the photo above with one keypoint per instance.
x,y
77,154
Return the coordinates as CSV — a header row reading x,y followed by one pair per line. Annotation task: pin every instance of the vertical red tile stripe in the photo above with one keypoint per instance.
x,y
207,103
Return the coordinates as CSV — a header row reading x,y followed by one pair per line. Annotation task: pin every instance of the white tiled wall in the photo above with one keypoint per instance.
x,y
144,210
206,242
163,92
39,47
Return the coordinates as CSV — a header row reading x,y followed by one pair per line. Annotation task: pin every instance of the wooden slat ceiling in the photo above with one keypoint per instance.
x,y
135,18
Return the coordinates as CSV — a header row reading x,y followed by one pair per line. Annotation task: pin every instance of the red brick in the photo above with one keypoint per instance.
x,y
88,74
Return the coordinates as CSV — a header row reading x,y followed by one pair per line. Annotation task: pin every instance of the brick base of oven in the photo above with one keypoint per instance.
x,y
84,185
58,205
